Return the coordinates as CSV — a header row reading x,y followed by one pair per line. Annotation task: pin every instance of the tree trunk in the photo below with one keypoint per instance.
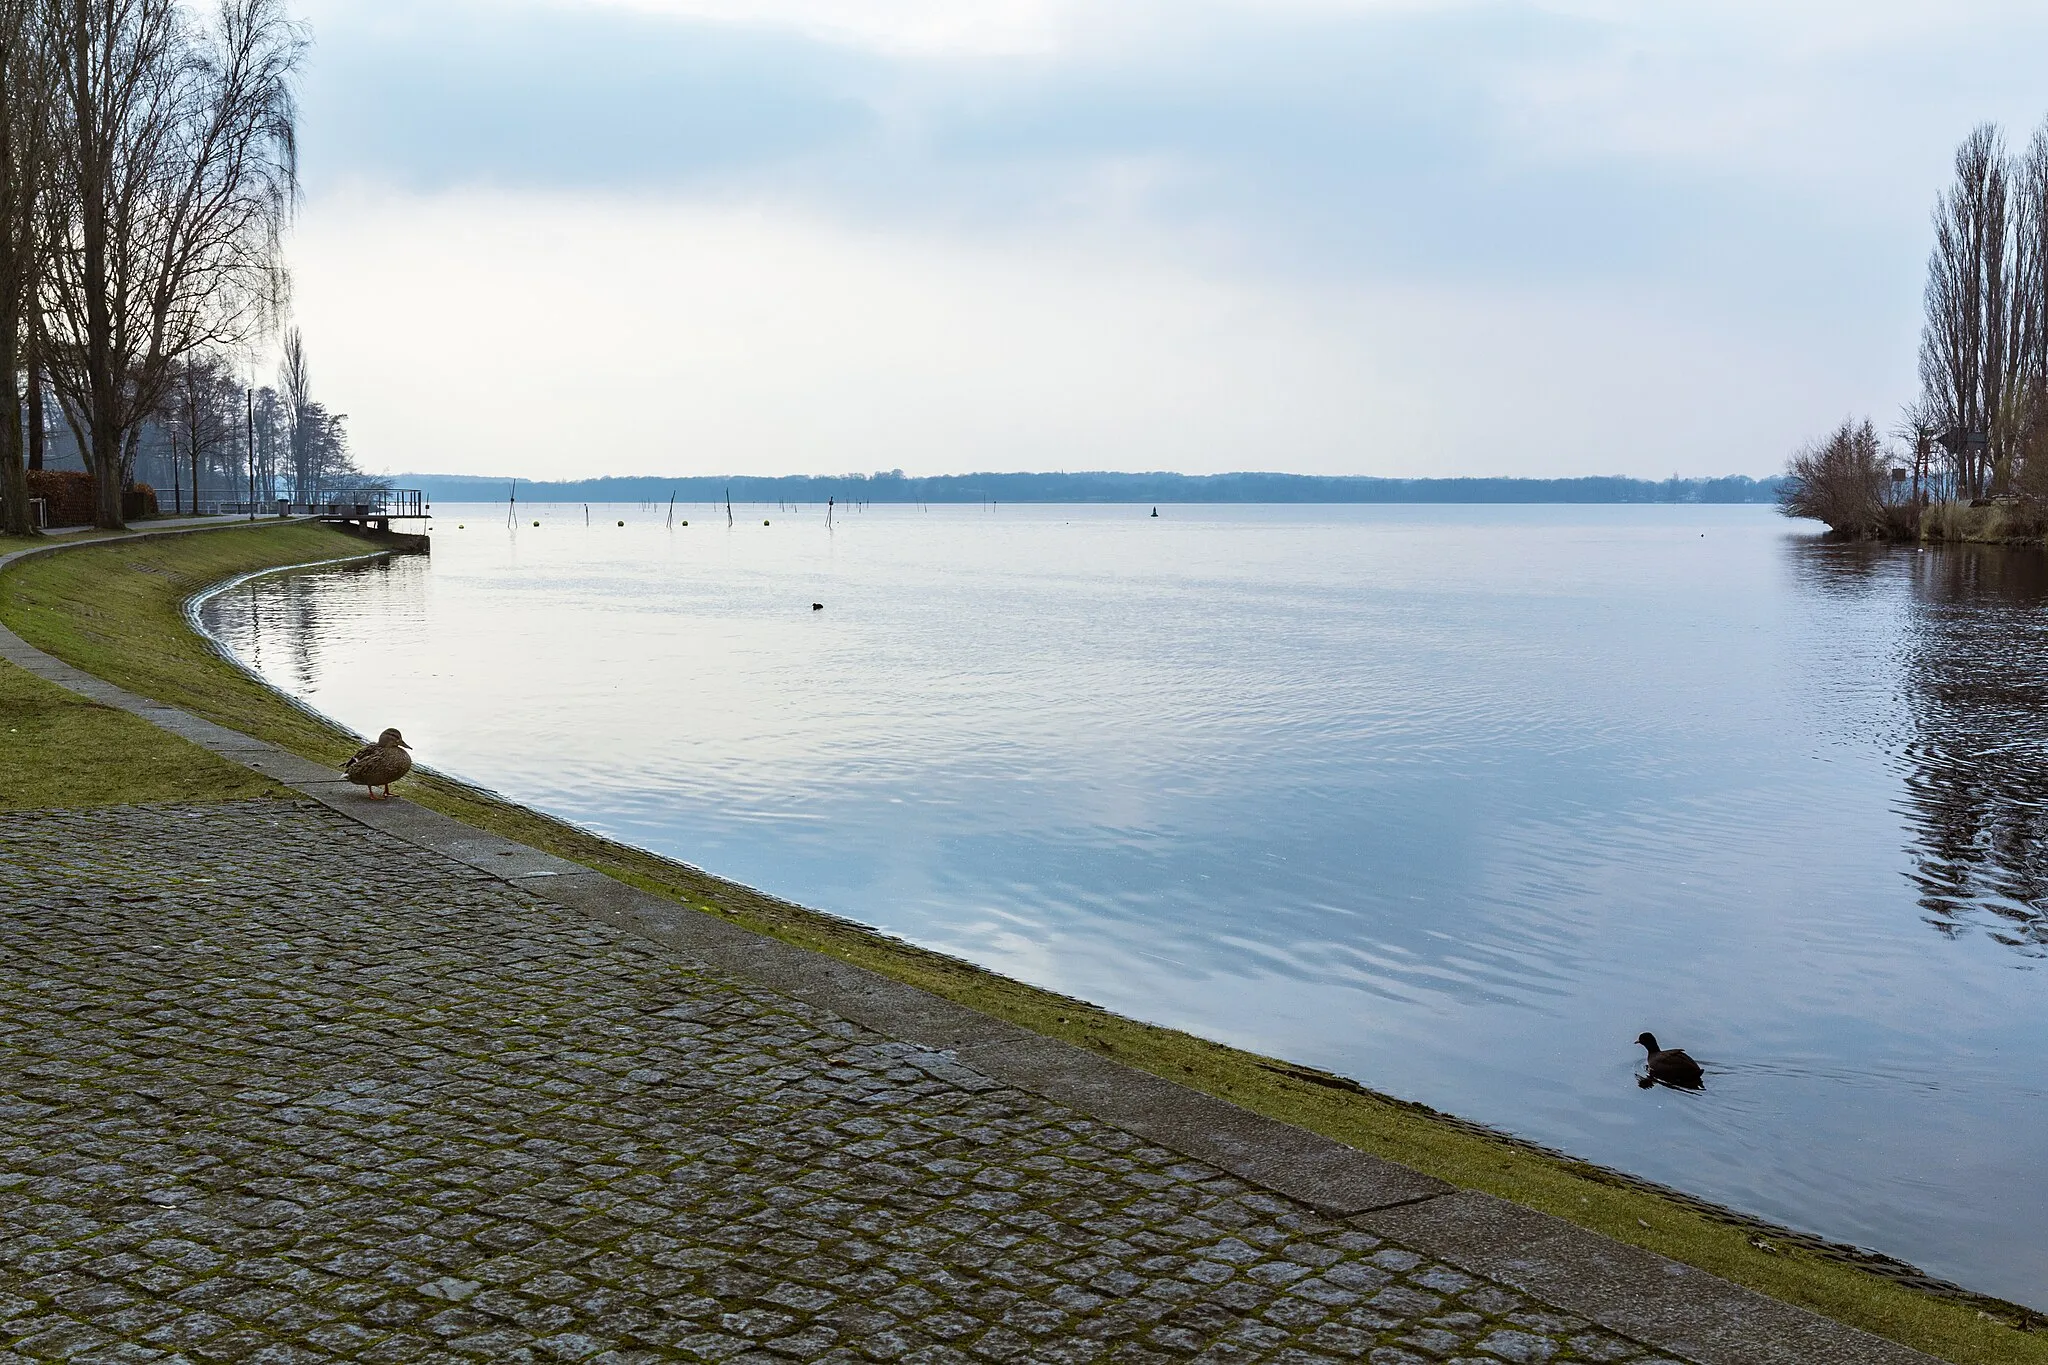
x,y
103,402
14,517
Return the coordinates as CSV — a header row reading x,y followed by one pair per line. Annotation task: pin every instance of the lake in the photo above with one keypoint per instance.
x,y
1453,800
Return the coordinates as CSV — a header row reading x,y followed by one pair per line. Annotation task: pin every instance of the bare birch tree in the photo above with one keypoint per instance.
x,y
181,170
295,400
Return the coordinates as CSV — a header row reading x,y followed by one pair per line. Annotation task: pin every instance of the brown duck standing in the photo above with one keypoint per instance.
x,y
380,764
1669,1065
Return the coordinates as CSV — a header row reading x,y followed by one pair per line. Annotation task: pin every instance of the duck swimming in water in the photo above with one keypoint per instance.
x,y
380,764
1670,1066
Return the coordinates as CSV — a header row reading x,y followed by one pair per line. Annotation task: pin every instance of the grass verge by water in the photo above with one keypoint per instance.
x,y
117,610
58,749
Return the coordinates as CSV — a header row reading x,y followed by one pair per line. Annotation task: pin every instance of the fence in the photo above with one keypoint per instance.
x,y
361,504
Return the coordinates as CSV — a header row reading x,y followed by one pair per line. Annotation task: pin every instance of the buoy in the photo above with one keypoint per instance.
x,y
622,523
686,523
536,523
764,521
817,606
1155,511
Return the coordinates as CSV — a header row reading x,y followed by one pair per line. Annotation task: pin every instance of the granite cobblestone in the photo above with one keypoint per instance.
x,y
277,1087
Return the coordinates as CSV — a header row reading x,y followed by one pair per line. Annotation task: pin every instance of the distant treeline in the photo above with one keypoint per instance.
x,y
895,486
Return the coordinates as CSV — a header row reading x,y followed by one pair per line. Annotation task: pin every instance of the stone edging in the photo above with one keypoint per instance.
x,y
1672,1307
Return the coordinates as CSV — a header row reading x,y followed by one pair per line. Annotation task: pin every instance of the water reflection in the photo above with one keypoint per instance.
x,y
1976,779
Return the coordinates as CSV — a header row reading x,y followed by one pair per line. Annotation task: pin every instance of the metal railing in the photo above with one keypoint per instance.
x,y
359,504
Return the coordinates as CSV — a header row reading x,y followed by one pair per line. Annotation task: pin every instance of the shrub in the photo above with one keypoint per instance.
x,y
1846,482
70,495
69,492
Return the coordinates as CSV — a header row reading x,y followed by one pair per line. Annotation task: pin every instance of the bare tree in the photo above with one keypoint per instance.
x,y
2028,399
27,88
180,173
200,418
1845,481
1965,351
295,398
1917,429
266,416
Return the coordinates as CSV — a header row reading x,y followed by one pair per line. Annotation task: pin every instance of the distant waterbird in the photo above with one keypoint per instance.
x,y
817,606
1669,1066
379,764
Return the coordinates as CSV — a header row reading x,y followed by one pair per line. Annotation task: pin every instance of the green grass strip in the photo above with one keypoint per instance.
x,y
59,749
117,610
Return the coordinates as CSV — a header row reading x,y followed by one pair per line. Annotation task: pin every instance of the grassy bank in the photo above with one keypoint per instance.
x,y
58,749
116,609
2000,523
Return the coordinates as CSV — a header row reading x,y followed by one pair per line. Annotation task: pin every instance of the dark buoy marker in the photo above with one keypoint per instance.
x,y
1669,1066
1155,511
817,606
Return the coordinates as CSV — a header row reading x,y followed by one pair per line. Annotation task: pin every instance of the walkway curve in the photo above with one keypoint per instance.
x,y
1630,1295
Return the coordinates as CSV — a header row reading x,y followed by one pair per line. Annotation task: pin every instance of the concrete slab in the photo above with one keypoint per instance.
x,y
288,768
205,733
1681,1310
1326,1175
443,834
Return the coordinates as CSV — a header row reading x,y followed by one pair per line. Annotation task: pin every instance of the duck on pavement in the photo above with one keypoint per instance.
x,y
380,764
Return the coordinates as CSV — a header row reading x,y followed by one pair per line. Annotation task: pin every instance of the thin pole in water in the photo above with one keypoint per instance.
x,y
728,505
671,510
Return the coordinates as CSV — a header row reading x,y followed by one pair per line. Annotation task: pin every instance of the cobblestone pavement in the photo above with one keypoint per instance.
x,y
278,1087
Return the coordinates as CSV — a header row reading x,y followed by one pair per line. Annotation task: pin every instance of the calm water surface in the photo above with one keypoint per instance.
x,y
1452,800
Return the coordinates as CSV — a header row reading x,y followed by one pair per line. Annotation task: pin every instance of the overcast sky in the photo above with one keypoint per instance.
x,y
559,238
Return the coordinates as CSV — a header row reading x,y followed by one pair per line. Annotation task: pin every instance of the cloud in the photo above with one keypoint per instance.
x,y
543,337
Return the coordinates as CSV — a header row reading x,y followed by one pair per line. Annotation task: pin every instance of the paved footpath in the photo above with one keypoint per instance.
x,y
281,1087
323,1078
285,1087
